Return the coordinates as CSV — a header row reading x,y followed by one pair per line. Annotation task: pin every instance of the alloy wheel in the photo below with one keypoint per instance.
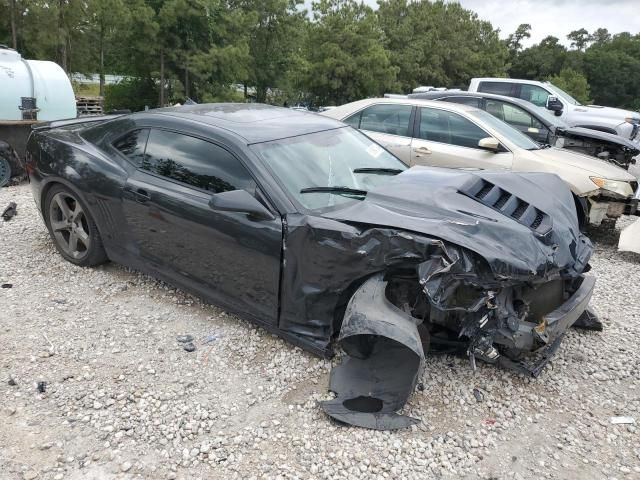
x,y
69,225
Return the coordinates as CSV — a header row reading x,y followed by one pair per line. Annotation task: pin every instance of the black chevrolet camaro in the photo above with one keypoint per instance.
x,y
311,230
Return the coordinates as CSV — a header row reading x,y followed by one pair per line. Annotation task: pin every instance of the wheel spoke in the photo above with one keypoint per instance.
x,y
82,236
57,225
73,242
76,214
64,208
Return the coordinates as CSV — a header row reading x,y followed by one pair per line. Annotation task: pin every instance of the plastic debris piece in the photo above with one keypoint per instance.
x,y
6,285
478,394
42,387
184,338
589,320
212,338
9,212
622,420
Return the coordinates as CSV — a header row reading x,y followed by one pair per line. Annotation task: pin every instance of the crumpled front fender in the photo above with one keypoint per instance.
x,y
384,359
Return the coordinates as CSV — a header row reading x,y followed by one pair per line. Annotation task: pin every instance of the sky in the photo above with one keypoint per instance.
x,y
558,17
553,17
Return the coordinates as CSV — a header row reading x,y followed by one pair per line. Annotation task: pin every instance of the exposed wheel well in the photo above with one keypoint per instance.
x,y
43,194
47,187
341,305
582,210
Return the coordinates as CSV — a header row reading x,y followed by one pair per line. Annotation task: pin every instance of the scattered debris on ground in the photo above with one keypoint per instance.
x,y
9,212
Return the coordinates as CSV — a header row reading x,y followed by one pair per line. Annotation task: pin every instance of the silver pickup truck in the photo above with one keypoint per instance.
x,y
545,95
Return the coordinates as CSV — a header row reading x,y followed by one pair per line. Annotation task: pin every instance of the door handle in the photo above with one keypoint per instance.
x,y
140,194
422,151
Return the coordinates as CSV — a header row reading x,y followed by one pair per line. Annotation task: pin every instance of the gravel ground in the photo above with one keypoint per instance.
x,y
123,399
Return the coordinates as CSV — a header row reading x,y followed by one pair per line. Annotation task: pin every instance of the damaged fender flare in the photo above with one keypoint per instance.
x,y
384,359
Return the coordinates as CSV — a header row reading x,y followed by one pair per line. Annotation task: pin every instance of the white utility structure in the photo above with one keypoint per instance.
x,y
31,91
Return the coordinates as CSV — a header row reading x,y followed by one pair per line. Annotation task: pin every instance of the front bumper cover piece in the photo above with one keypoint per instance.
x,y
384,359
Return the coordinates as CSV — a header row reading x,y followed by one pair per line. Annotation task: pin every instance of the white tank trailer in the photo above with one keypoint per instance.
x,y
31,91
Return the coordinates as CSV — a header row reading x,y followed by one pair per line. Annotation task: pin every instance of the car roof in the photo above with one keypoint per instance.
x,y
510,80
460,93
254,122
454,107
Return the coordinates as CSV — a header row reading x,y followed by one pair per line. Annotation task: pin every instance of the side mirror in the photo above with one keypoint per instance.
x,y
554,105
239,201
489,143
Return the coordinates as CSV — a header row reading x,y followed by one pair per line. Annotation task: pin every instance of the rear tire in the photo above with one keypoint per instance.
x,y
72,228
5,171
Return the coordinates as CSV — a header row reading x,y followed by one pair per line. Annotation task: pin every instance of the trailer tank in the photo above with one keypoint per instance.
x,y
31,91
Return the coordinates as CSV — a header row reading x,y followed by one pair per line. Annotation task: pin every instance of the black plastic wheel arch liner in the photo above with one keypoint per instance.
x,y
383,360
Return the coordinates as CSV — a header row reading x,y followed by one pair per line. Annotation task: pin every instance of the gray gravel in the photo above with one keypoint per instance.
x,y
123,399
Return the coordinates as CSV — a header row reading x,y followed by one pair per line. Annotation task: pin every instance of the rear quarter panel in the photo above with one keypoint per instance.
x,y
62,156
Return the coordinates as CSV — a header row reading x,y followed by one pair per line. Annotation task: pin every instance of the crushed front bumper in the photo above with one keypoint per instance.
x,y
559,320
384,353
543,339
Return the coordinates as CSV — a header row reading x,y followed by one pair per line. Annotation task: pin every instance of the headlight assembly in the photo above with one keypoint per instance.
x,y
616,186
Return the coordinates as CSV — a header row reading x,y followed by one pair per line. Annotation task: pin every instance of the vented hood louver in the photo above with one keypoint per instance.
x,y
509,205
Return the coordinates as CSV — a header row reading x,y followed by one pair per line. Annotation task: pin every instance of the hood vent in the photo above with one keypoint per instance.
x,y
509,205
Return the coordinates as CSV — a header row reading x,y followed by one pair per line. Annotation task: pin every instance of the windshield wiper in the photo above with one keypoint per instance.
x,y
338,190
381,171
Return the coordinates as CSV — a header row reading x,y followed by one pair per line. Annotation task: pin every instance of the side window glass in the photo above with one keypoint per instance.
x,y
498,88
353,120
195,162
132,145
518,117
471,101
448,127
387,118
534,94
496,109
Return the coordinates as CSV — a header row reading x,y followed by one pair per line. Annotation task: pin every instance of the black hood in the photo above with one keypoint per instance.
x,y
598,135
523,224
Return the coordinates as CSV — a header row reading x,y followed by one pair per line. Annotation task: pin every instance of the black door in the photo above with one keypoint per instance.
x,y
226,256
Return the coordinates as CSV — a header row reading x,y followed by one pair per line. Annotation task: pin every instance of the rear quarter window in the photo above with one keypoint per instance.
x,y
498,88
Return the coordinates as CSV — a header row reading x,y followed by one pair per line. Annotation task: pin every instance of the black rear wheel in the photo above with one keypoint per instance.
x,y
5,171
72,228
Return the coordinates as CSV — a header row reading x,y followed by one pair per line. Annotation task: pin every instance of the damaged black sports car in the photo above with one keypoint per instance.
x,y
308,228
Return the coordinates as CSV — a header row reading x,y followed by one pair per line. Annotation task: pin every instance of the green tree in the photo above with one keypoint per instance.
x,y
275,32
514,40
345,56
579,38
108,20
612,69
574,83
540,61
600,36
439,43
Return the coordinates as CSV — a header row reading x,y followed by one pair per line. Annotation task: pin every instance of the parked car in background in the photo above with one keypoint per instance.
x,y
442,134
313,231
542,126
545,95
